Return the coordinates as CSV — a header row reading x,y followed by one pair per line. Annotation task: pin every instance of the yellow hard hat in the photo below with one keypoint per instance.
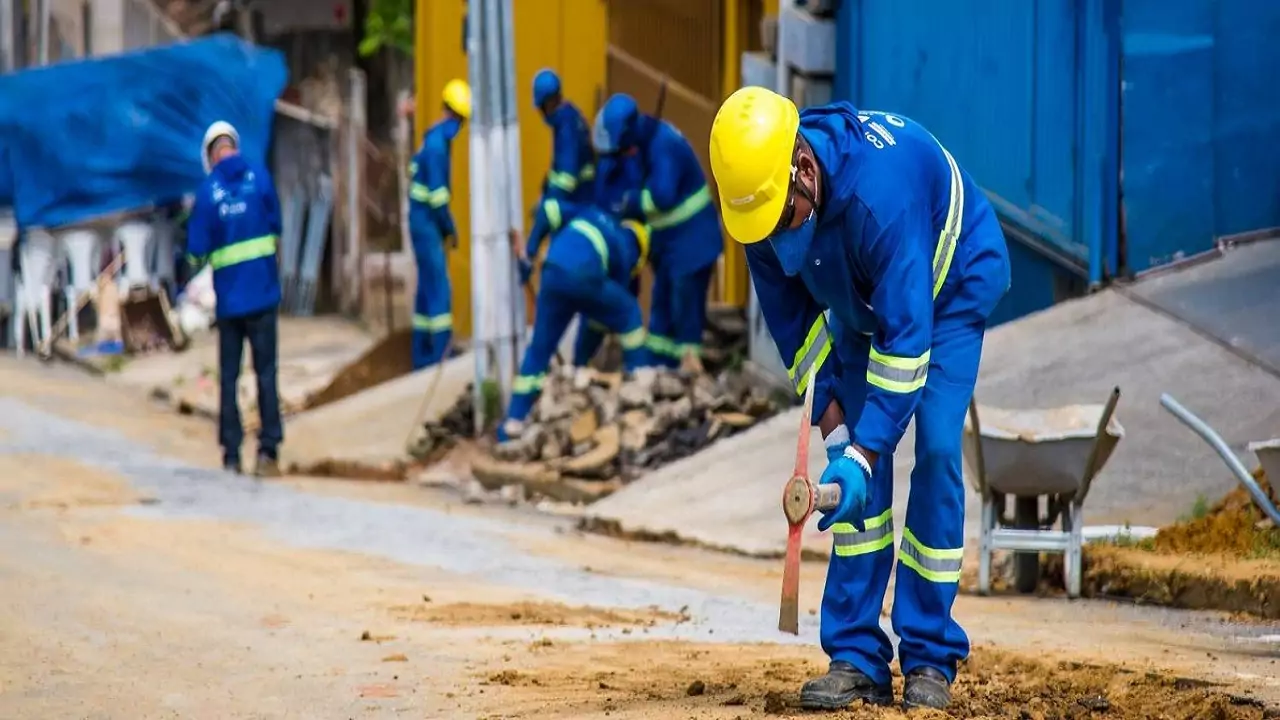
x,y
752,140
457,97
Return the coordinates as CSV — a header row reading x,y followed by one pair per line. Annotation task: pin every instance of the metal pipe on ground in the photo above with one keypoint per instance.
x,y
1219,445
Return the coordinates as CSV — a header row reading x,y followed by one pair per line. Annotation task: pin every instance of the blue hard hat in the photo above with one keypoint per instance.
x,y
546,84
617,119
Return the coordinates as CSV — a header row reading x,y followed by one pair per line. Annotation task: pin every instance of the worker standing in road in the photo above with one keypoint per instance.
x,y
589,268
431,225
881,248
235,226
573,170
674,200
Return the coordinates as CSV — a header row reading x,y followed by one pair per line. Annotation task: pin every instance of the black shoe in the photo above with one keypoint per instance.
x,y
926,688
231,463
840,687
267,466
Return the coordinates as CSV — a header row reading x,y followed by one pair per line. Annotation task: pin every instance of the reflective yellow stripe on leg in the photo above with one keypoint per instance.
x,y
939,565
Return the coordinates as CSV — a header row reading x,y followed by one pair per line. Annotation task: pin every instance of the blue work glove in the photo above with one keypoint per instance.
x,y
847,468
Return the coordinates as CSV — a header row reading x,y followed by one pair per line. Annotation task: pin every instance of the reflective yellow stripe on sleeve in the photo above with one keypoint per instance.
x,y
563,180
433,323
897,374
413,168
932,564
812,353
950,234
243,251
591,233
438,197
689,207
551,208
419,192
587,173
878,535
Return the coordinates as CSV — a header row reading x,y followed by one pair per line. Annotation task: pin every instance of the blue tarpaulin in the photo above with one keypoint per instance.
x,y
94,137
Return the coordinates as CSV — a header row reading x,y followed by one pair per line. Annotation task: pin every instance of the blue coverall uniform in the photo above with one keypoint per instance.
x,y
589,266
674,199
235,226
430,223
906,263
573,171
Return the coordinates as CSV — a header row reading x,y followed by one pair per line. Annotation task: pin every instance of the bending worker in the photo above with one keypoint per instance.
x,y
674,200
431,224
573,171
589,267
879,246
234,226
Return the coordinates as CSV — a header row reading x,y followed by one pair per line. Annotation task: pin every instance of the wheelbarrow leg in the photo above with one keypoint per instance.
x,y
989,515
1073,567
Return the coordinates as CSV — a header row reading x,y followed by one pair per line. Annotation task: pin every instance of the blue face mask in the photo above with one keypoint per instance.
x,y
792,246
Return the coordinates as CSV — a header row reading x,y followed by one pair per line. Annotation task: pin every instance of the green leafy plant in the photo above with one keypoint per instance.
x,y
388,24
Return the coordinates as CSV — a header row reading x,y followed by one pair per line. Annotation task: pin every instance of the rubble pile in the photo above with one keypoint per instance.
x,y
724,338
591,431
438,436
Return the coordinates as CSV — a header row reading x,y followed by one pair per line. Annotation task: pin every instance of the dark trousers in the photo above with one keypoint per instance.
x,y
260,330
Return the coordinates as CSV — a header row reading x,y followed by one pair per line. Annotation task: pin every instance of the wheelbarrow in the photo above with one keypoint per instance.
x,y
1020,457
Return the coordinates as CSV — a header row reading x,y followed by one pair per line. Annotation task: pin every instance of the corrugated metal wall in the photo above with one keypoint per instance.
x,y
1023,92
1201,125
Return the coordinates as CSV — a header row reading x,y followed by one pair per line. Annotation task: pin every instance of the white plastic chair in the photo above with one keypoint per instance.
x,y
37,262
83,247
135,237
162,269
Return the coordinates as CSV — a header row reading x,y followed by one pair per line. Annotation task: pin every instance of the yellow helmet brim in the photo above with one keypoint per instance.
x,y
755,224
752,145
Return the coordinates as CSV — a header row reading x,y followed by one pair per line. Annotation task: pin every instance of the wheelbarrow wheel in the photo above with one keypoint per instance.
x,y
1026,565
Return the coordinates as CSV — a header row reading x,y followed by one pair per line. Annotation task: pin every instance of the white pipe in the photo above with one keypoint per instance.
x,y
479,215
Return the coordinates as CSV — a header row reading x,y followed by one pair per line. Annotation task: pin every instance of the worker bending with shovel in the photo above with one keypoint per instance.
x,y
877,261
235,227
673,199
589,268
431,225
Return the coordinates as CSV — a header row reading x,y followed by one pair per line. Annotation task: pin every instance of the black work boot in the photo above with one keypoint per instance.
x,y
840,687
231,462
926,688
267,467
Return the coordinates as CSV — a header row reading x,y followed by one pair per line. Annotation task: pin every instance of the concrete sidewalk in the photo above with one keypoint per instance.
x,y
729,495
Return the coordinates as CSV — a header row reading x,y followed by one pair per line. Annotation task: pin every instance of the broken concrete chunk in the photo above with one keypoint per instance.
x,y
598,461
735,420
584,425
516,450
494,474
668,387
635,395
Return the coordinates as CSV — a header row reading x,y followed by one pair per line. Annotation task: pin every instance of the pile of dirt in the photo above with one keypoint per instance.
x,y
1226,559
1235,526
592,431
679,680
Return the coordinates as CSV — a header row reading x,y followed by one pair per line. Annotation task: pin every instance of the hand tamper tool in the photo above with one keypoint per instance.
x,y
800,498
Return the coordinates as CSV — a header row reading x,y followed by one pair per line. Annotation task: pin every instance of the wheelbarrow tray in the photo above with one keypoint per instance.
x,y
1268,452
1039,452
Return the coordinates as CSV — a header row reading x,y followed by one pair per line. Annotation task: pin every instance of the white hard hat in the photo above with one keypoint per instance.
x,y
215,131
